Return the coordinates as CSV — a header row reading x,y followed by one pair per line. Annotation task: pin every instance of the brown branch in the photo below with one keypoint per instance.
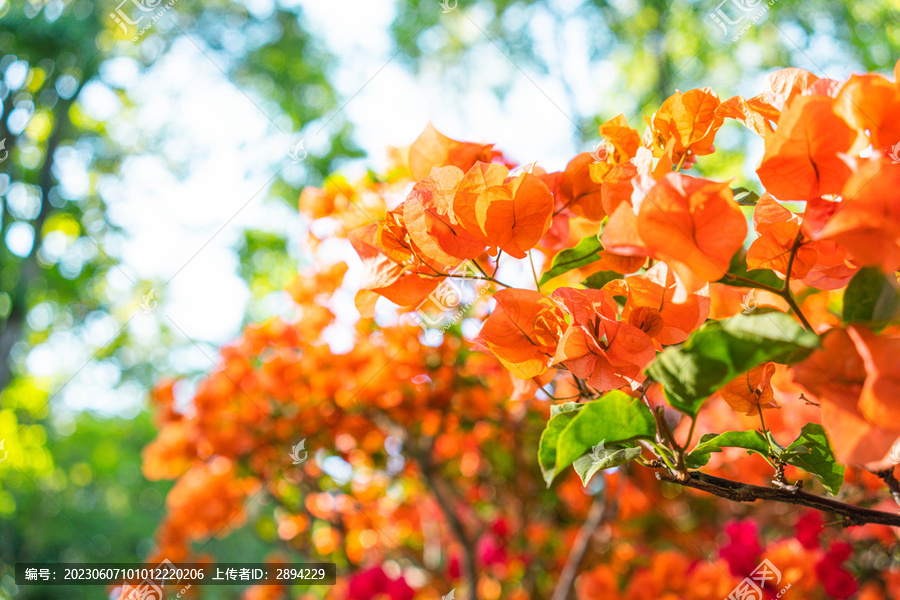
x,y
887,475
443,493
737,491
579,547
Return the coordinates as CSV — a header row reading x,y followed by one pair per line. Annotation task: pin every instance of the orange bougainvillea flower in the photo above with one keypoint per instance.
x,y
760,112
652,307
306,286
578,192
867,220
172,452
383,276
870,103
621,233
620,263
600,583
608,353
685,121
434,149
431,222
515,215
777,228
617,187
694,225
801,161
523,331
856,377
752,391
822,264
477,179
623,138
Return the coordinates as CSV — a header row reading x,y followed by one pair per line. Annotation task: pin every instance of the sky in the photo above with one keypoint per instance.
x,y
183,210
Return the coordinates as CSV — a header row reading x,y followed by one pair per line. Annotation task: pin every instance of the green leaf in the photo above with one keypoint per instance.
x,y
613,419
558,409
586,252
547,445
745,197
753,441
812,452
603,458
720,351
600,278
871,298
738,267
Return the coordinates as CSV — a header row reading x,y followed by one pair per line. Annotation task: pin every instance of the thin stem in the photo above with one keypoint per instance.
x,y
786,289
687,444
579,547
796,308
477,266
666,432
533,271
753,284
762,422
658,450
453,275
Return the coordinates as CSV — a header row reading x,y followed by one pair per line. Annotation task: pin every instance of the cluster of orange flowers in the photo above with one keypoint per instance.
x,y
421,427
829,146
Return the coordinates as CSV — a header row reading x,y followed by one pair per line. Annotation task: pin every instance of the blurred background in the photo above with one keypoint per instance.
x,y
152,153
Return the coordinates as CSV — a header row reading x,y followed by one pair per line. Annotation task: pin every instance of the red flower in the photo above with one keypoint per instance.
x,y
500,528
369,584
837,581
809,528
742,553
453,570
491,551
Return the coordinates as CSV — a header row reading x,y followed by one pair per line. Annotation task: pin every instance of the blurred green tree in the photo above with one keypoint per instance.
x,y
645,49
